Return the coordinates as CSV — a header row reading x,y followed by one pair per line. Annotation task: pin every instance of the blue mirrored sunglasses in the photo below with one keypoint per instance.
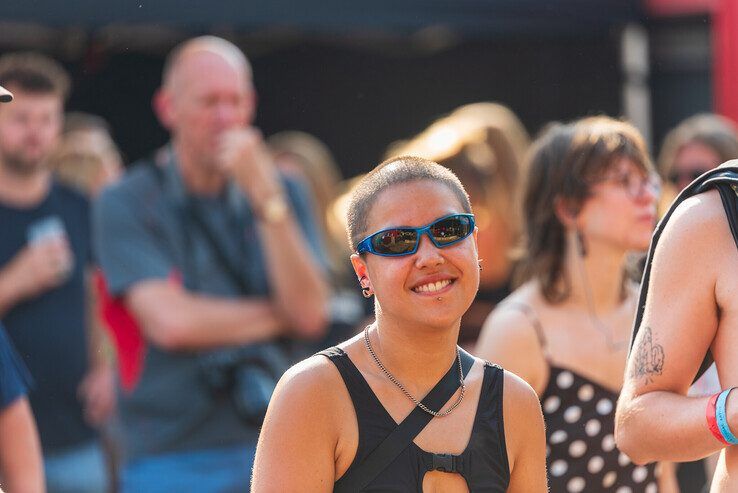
x,y
394,242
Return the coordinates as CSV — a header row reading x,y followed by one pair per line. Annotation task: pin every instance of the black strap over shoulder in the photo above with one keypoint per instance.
x,y
194,217
725,180
397,441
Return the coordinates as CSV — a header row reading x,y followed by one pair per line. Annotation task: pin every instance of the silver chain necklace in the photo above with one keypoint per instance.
x,y
419,404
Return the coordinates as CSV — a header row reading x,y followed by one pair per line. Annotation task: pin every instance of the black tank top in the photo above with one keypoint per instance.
x,y
483,463
580,433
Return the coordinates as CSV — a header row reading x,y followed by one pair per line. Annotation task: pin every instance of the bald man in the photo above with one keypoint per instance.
x,y
215,256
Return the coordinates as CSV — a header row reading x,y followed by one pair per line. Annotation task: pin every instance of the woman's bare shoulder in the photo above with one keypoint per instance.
x,y
519,395
314,386
512,325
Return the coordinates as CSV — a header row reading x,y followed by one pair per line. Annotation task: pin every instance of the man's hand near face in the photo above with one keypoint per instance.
x,y
244,157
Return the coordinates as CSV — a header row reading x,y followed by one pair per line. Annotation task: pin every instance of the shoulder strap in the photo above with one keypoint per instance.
x,y
229,265
724,179
530,314
397,441
156,166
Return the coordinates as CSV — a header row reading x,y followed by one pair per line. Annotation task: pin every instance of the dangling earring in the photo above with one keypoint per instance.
x,y
581,246
366,291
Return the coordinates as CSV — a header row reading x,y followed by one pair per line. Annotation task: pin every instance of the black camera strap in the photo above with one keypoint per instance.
x,y
401,437
224,259
191,214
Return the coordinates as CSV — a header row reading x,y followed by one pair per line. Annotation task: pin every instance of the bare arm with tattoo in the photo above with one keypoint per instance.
x,y
655,418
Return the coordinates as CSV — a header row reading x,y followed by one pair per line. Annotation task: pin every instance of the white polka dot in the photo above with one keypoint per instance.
x,y
623,459
639,474
595,464
577,448
604,406
624,489
652,488
586,392
609,479
565,380
575,485
551,404
558,436
558,468
572,414
608,443
593,427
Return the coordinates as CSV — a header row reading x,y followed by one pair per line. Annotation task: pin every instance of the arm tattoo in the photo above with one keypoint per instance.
x,y
648,358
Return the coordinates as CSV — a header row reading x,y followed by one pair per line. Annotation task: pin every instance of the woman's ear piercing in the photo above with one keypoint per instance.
x,y
366,291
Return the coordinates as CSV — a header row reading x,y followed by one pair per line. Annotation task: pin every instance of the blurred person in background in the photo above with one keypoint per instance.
x,y
484,145
213,256
21,463
698,144
589,200
308,160
44,278
87,157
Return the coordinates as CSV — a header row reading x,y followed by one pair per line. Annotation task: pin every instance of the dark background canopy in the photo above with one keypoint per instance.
x,y
483,17
358,75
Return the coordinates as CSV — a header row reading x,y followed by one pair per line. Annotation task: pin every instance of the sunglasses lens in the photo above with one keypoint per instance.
x,y
450,229
395,241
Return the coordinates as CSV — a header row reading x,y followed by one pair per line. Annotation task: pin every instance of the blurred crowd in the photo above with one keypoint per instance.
x,y
148,309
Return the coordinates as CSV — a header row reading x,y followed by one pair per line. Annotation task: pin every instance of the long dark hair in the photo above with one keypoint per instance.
x,y
562,165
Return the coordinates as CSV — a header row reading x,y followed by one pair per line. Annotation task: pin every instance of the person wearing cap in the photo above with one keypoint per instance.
x,y
44,258
214,256
5,95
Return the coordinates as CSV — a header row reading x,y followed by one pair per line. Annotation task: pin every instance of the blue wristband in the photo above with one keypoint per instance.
x,y
721,418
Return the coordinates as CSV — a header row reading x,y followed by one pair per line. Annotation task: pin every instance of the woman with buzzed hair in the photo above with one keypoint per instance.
x,y
465,425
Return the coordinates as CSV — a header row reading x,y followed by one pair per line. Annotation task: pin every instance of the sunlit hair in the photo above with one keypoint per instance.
x,y
484,145
563,164
323,176
391,173
86,153
34,73
714,131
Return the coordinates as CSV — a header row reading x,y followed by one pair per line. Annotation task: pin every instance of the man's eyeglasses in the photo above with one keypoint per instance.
x,y
394,242
635,184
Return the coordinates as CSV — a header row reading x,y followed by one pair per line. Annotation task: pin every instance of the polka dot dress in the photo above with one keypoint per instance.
x,y
581,454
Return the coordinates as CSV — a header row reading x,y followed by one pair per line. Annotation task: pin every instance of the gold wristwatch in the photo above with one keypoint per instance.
x,y
274,209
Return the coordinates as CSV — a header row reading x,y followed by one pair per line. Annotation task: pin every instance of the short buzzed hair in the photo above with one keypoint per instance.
x,y
395,171
34,73
206,43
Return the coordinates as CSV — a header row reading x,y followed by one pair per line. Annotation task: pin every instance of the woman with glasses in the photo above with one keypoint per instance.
x,y
400,407
589,200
